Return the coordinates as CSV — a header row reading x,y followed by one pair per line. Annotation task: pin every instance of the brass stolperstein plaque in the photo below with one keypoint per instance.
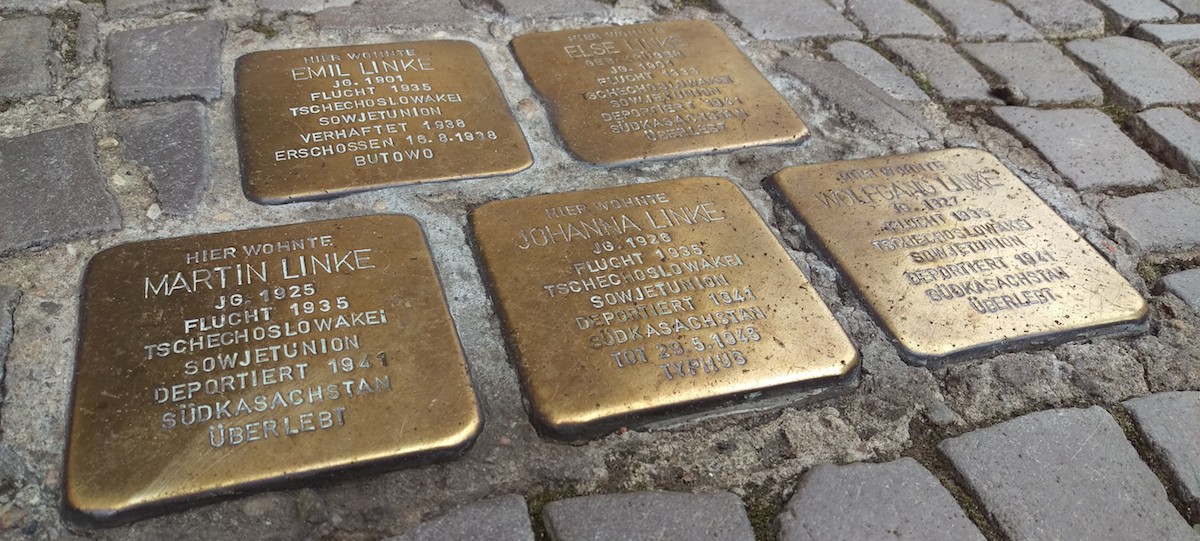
x,y
650,303
955,256
222,362
322,122
623,94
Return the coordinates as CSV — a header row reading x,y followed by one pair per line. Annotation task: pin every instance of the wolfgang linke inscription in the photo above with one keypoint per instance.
x,y
956,256
221,362
631,305
320,122
624,94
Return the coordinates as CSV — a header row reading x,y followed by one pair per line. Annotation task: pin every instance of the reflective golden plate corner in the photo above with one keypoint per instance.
x,y
321,122
632,305
624,94
956,257
219,363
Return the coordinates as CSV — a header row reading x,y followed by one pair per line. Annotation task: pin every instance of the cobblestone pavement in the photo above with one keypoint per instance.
x,y
1091,102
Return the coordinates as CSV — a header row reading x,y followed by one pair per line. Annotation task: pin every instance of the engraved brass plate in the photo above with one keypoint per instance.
x,y
322,122
956,256
222,362
623,94
631,305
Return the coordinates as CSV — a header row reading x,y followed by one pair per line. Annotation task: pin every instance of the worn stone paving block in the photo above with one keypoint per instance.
x,y
25,57
301,6
790,19
87,32
1168,35
893,18
952,77
35,6
172,141
384,14
982,20
1157,222
1185,285
9,297
1061,18
897,500
864,103
1188,8
662,516
1064,474
1136,73
53,189
151,8
1170,422
1038,71
1122,14
505,518
1171,134
558,8
1084,146
868,63
166,62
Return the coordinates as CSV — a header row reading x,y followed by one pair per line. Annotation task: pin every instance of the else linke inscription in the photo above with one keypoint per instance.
x,y
624,94
317,123
217,363
956,256
639,304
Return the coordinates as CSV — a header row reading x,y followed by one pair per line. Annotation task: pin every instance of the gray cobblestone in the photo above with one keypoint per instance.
x,y
558,8
865,61
1186,286
902,500
1168,35
1136,73
53,189
393,14
718,516
1057,19
1171,134
505,518
152,8
1037,476
858,99
1122,14
790,19
1170,422
301,6
87,33
982,20
25,57
35,6
951,76
171,140
167,62
1157,222
1038,72
1188,8
893,18
1084,146
9,297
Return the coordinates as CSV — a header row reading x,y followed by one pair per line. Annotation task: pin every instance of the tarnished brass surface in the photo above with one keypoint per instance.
x,y
203,369
622,94
956,256
321,122
633,304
